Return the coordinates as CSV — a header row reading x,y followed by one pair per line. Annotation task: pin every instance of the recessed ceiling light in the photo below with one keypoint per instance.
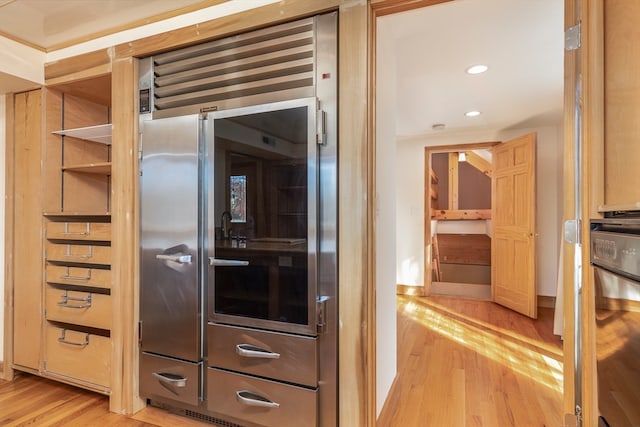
x,y
472,113
477,69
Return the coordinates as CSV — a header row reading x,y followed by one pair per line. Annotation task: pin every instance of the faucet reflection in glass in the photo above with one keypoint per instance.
x,y
225,233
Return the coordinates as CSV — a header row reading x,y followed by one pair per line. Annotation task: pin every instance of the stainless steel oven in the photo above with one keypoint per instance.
x,y
615,254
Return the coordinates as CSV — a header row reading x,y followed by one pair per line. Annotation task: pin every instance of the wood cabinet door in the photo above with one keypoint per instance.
x,y
27,229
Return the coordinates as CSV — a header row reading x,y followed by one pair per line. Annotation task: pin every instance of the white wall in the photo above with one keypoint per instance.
x,y
410,201
2,198
386,357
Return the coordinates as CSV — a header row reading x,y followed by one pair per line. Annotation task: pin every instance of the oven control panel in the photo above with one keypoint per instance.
x,y
617,252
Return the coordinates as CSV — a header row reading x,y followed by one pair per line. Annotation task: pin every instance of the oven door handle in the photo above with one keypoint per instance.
x,y
217,262
249,350
250,398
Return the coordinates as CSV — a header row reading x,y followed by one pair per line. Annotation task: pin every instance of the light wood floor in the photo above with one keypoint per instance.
x,y
462,363
470,363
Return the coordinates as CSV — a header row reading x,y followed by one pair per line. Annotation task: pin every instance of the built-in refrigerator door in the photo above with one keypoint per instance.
x,y
262,216
171,320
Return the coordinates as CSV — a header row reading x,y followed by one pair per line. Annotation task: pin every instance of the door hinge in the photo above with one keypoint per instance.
x,y
572,37
321,131
573,420
572,233
321,313
140,332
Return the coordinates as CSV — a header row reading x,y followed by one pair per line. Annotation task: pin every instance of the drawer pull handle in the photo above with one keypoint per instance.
x,y
250,398
66,298
62,340
68,254
227,262
180,259
174,380
69,276
66,231
249,350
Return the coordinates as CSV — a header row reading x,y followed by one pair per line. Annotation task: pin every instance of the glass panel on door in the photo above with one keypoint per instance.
x,y
264,181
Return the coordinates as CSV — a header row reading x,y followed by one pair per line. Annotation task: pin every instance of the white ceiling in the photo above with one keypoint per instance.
x,y
51,23
429,48
522,42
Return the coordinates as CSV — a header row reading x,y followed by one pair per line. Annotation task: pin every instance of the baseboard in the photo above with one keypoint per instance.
x,y
546,301
410,290
543,300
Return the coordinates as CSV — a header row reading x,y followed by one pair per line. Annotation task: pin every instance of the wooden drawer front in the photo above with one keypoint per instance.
x,y
78,355
81,276
78,308
259,401
86,254
167,378
274,355
98,231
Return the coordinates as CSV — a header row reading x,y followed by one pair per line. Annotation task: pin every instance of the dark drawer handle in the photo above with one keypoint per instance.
x,y
250,398
66,231
249,350
69,276
85,302
174,380
63,340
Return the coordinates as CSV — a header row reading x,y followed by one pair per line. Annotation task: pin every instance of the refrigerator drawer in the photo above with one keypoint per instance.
x,y
79,308
166,378
98,231
84,254
259,401
78,355
284,357
79,276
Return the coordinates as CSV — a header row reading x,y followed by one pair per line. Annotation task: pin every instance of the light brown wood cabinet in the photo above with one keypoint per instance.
x,y
63,312
621,106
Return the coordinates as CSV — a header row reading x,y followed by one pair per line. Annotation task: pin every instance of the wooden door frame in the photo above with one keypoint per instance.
x,y
425,289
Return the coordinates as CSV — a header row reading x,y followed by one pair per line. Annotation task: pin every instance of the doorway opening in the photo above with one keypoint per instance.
x,y
458,208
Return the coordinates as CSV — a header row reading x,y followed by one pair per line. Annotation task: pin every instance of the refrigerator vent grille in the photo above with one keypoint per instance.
x,y
277,59
210,419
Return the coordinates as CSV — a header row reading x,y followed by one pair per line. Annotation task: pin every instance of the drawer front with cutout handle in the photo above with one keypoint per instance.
x,y
167,378
260,401
276,355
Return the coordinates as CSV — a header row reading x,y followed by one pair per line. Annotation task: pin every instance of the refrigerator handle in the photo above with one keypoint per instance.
x,y
180,259
248,350
227,262
174,380
253,399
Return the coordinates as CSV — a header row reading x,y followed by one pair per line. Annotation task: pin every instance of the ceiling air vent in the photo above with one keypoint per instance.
x,y
266,65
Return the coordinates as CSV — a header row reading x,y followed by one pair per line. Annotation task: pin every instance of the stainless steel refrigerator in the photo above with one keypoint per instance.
x,y
239,274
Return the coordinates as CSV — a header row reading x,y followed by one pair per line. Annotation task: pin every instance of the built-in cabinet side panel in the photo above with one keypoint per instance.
x,y
125,242
27,249
622,103
52,152
355,198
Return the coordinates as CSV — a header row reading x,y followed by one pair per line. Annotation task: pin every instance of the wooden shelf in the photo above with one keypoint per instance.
x,y
102,168
100,133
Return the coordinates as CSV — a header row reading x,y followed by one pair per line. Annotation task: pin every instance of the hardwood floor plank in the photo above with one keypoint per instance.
x,y
475,364
461,363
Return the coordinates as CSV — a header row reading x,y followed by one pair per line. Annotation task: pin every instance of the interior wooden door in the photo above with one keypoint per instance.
x,y
513,269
